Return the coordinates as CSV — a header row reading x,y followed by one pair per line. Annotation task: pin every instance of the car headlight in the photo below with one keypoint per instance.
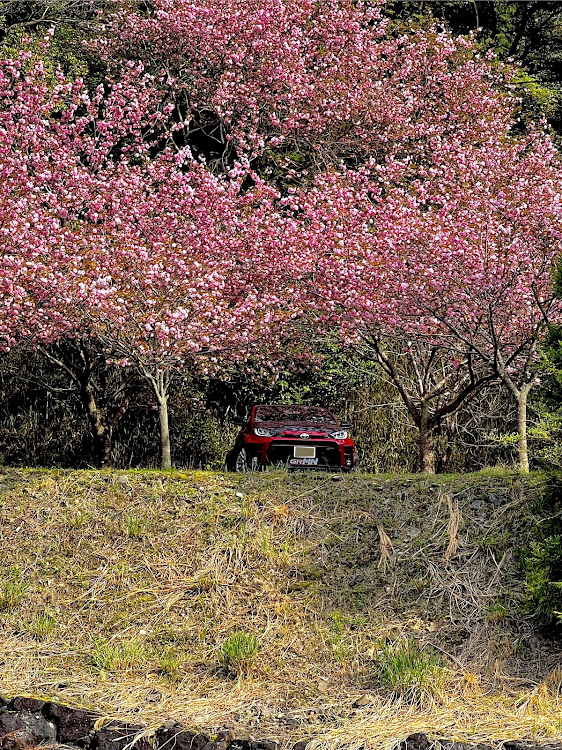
x,y
339,435
261,432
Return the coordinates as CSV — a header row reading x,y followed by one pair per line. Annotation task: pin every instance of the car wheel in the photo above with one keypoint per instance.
x,y
241,463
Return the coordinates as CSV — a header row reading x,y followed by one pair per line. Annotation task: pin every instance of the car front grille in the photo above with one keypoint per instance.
x,y
328,454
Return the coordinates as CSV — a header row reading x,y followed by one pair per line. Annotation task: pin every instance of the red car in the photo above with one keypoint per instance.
x,y
299,437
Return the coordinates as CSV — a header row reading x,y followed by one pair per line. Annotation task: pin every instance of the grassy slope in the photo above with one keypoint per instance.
x,y
118,590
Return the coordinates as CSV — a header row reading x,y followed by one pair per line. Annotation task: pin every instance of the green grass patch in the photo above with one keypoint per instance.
x,y
239,651
411,672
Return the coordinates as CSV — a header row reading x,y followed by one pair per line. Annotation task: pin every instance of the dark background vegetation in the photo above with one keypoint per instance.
x,y
44,420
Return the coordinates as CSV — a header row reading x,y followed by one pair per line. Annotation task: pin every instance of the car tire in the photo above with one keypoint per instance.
x,y
241,461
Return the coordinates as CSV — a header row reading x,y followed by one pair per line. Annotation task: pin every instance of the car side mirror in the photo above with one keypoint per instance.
x,y
239,421
346,425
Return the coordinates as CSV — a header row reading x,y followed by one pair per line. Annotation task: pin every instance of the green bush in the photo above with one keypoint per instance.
x,y
543,572
202,442
542,562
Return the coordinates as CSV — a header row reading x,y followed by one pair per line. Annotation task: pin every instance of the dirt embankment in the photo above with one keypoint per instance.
x,y
343,611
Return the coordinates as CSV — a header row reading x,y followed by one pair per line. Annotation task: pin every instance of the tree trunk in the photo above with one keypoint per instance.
x,y
164,431
107,458
101,433
160,381
522,430
426,442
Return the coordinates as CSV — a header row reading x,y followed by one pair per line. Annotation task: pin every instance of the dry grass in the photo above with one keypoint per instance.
x,y
387,557
453,528
129,589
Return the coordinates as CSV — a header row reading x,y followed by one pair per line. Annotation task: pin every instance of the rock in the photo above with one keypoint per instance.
x,y
534,644
27,704
477,504
362,701
178,739
153,696
413,532
118,737
124,483
75,726
17,740
36,726
252,744
416,741
420,741
225,735
300,745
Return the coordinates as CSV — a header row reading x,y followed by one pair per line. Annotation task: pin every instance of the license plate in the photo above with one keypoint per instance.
x,y
303,462
305,451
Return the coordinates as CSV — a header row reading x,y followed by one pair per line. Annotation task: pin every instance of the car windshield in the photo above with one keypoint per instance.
x,y
294,414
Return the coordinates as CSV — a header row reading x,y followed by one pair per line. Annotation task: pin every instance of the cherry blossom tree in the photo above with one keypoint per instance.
x,y
303,85
60,148
58,145
181,274
455,266
410,114
267,164
348,270
156,258
489,287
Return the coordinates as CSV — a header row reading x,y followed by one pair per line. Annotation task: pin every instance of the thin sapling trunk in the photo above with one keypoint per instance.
x,y
164,432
